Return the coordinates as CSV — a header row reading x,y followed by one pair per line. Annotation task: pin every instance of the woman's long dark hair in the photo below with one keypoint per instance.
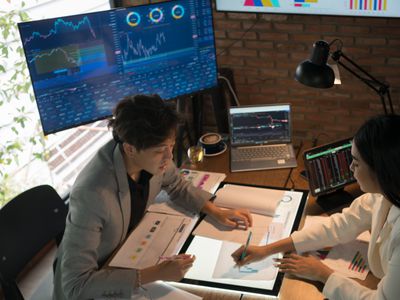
x,y
378,142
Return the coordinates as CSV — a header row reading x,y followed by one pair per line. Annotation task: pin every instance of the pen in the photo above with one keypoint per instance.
x,y
172,257
166,257
245,247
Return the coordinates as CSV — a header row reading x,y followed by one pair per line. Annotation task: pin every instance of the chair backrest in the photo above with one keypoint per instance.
x,y
28,223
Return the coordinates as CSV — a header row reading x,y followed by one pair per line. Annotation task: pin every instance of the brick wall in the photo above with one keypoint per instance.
x,y
265,59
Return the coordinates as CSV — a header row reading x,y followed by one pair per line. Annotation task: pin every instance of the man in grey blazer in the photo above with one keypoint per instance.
x,y
110,196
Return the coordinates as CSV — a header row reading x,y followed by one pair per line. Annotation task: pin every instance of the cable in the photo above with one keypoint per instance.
x,y
230,88
241,38
291,169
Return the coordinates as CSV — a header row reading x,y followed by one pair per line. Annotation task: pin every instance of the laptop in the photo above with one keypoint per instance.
x,y
261,137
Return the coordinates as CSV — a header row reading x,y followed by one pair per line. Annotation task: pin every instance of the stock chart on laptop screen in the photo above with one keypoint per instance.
x,y
260,125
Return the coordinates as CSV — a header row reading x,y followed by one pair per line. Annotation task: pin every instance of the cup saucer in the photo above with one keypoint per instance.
x,y
217,153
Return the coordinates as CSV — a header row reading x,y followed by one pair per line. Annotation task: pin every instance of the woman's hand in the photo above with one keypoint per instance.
x,y
305,266
253,253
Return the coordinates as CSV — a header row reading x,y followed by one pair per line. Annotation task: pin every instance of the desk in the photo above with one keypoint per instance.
x,y
220,163
292,287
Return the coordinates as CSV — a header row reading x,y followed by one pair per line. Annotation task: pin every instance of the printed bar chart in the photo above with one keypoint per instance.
x,y
304,3
378,5
262,3
358,264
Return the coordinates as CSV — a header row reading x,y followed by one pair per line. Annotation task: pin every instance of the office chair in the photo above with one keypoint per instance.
x,y
28,222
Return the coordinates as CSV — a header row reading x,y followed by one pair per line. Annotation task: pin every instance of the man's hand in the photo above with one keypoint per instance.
x,y
171,269
234,218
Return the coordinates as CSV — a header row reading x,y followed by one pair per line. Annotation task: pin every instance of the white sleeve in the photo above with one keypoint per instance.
x,y
339,287
339,228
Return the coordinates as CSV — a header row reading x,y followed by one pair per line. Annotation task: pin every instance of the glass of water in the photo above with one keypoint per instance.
x,y
195,154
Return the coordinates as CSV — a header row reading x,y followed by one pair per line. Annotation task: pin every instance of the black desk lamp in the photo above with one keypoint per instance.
x,y
315,72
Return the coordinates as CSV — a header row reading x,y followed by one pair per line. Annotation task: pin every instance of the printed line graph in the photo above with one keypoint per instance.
x,y
61,25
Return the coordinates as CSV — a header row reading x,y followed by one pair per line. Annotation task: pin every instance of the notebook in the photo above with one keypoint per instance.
x,y
261,137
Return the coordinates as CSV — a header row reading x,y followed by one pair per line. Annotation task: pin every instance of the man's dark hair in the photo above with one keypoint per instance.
x,y
378,142
143,121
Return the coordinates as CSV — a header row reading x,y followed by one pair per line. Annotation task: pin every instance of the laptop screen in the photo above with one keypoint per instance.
x,y
253,125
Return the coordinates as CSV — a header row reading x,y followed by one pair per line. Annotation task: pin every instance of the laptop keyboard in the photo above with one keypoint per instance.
x,y
260,152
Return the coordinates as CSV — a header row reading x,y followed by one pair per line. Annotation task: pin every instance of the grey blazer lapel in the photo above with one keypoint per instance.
x,y
123,189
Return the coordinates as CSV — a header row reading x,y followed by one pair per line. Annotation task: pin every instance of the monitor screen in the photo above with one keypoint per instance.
x,y
328,167
250,125
365,8
82,65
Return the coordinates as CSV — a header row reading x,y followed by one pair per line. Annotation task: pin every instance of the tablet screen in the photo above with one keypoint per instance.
x,y
214,266
328,166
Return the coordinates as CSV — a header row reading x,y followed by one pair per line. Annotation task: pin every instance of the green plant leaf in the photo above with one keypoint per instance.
x,y
14,130
4,51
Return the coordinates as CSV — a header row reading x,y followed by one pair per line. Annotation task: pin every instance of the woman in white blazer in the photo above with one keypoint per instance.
x,y
110,196
376,166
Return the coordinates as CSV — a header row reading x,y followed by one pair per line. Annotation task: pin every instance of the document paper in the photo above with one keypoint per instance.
x,y
159,290
262,204
350,259
257,200
156,235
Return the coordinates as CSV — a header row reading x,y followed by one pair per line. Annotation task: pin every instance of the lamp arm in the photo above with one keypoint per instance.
x,y
390,101
382,89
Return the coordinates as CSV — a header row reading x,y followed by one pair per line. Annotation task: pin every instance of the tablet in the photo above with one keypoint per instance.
x,y
328,166
215,268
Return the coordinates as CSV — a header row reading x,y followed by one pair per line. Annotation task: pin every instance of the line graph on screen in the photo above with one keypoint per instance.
x,y
62,26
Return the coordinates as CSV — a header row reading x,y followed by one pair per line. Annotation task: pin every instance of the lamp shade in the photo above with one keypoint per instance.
x,y
315,72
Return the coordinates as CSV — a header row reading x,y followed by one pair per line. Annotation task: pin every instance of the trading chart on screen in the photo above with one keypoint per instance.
x,y
82,65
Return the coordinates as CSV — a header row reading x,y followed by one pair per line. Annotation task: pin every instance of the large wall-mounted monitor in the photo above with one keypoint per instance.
x,y
365,8
82,65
